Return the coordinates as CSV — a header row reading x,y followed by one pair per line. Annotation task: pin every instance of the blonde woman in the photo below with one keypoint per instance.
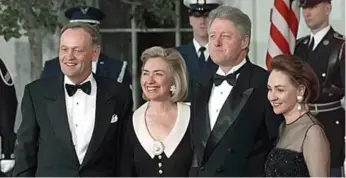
x,y
158,138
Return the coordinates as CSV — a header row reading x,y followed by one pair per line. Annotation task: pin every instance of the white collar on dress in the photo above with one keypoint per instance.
x,y
173,139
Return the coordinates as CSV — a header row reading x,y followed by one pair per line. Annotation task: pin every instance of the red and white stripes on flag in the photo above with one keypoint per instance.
x,y
284,21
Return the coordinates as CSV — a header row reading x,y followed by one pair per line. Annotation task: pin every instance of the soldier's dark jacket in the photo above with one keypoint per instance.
x,y
328,62
8,108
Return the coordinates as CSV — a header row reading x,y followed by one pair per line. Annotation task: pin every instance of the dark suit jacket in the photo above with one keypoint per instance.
x,y
190,56
245,130
328,62
45,146
106,66
194,69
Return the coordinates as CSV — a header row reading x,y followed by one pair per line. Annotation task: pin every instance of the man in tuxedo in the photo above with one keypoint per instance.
x,y
73,123
105,65
324,50
195,53
233,124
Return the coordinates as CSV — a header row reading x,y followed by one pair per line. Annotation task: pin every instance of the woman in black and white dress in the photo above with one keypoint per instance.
x,y
157,139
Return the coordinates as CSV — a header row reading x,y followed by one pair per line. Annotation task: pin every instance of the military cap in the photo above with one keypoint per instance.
x,y
85,14
311,3
201,7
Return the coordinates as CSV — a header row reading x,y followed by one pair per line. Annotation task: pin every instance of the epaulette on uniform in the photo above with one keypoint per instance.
x,y
303,39
339,36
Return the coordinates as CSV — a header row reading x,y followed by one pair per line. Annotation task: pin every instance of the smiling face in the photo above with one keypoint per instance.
x,y
156,79
76,54
282,94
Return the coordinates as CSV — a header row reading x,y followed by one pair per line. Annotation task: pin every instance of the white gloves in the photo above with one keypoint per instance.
x,y
6,165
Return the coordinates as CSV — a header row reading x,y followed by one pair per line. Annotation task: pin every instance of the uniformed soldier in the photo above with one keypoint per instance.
x,y
104,66
8,109
196,53
324,50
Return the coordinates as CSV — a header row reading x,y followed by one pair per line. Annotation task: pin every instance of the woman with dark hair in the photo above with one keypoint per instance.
x,y
302,148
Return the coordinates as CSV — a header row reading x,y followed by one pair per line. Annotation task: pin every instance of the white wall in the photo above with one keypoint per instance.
x,y
259,11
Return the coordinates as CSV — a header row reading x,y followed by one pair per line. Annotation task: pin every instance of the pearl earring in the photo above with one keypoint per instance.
x,y
299,101
173,89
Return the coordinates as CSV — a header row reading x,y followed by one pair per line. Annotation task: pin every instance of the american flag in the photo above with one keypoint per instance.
x,y
284,21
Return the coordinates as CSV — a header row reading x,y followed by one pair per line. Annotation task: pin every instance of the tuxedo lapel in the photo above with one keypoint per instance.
x,y
103,115
56,108
231,109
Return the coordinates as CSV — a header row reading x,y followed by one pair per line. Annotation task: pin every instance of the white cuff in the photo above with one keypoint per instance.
x,y
3,156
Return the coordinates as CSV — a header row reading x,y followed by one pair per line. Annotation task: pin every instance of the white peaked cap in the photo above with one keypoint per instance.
x,y
201,2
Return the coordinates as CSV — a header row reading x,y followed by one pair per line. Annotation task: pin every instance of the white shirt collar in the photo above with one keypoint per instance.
x,y
197,46
173,139
235,68
319,35
68,80
94,66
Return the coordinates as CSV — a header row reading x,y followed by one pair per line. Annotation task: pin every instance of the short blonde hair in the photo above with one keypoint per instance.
x,y
176,65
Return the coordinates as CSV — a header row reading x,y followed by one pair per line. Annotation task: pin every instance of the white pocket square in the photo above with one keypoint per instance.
x,y
114,118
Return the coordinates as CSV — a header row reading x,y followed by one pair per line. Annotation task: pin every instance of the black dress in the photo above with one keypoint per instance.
x,y
176,158
300,142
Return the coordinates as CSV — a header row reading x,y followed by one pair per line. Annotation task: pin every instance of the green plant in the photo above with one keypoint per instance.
x,y
17,17
160,11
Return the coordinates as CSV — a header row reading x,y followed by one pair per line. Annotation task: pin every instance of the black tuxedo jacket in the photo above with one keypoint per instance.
x,y
45,146
245,130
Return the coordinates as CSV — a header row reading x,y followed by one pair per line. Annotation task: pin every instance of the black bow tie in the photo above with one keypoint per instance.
x,y
85,87
230,78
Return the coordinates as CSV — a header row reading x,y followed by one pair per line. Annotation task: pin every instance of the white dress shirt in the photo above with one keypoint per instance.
x,y
319,36
81,109
197,46
94,66
219,94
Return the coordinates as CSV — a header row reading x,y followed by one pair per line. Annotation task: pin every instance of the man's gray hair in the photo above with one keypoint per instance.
x,y
240,20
